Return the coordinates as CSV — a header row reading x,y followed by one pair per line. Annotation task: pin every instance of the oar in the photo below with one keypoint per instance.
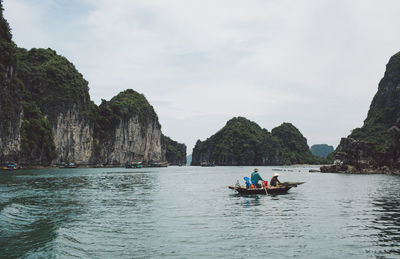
x,y
265,188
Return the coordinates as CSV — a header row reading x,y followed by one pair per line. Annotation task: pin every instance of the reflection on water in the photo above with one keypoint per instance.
x,y
252,201
387,220
188,212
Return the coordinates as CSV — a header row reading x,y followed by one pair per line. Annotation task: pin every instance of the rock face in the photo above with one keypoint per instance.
x,y
175,152
375,147
127,130
62,96
129,144
243,142
11,113
321,150
46,115
73,137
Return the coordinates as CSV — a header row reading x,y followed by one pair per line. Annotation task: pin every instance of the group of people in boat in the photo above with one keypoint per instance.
x,y
256,177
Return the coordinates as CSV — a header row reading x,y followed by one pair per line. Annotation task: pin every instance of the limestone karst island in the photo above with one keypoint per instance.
x,y
47,117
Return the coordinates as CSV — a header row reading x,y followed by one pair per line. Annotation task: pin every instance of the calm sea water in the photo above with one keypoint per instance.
x,y
188,212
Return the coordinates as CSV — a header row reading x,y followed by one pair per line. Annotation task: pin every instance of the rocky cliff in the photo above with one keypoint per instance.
x,y
243,142
46,115
375,147
54,85
175,152
11,114
128,130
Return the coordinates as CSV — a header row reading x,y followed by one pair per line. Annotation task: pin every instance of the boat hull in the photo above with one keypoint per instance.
x,y
270,190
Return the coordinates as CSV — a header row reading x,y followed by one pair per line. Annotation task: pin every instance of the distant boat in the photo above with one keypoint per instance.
x,y
133,165
66,165
207,164
71,165
162,164
10,166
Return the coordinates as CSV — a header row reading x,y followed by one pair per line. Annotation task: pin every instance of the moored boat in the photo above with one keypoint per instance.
x,y
10,166
160,164
133,165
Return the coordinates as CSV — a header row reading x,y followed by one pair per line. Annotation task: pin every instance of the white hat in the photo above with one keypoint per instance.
x,y
276,174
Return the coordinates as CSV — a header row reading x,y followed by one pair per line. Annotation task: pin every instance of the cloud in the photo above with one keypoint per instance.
x,y
314,63
24,14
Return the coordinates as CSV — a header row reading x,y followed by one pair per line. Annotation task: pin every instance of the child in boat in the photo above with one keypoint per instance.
x,y
255,177
274,180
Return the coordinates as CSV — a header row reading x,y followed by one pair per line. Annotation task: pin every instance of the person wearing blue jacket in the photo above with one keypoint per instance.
x,y
255,177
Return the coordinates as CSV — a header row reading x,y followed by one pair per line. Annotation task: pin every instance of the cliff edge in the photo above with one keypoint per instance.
x,y
375,147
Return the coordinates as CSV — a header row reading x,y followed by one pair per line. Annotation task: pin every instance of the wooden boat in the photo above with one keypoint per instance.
x,y
280,189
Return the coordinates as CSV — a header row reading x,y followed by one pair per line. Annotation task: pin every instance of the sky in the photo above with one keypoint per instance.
x,y
313,63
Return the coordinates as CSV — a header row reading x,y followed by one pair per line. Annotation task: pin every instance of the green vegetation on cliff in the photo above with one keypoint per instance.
x,y
10,94
175,152
124,106
243,142
54,82
5,30
130,102
37,145
7,47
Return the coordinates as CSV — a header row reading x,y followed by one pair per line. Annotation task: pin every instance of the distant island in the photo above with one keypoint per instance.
x,y
243,142
47,116
321,150
375,147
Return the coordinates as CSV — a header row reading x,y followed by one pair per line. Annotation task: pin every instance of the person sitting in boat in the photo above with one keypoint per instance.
x,y
255,177
274,180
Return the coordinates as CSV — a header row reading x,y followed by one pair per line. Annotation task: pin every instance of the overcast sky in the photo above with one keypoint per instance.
x,y
314,63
